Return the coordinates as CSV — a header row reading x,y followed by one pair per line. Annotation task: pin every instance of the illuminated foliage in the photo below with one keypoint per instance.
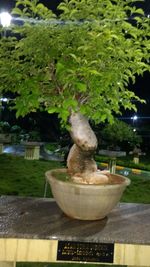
x,y
83,60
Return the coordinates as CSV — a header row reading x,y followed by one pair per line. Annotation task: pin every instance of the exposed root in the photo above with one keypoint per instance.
x,y
92,178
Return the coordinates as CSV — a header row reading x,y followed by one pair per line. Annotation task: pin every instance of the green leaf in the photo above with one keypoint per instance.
x,y
16,11
81,86
74,57
59,68
63,7
139,11
40,6
95,72
52,110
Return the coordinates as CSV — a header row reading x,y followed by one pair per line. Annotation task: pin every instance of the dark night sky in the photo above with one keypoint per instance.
x,y
8,4
142,85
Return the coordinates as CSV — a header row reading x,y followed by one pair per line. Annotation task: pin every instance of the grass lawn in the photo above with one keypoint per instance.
x,y
27,178
23,177
139,189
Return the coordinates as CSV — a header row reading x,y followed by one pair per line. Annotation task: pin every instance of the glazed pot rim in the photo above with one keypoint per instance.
x,y
50,176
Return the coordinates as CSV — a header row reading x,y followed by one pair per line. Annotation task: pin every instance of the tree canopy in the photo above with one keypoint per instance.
x,y
81,60
119,132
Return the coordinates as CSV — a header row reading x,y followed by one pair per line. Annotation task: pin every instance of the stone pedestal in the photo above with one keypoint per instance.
x,y
5,138
32,150
1,148
112,165
112,155
36,230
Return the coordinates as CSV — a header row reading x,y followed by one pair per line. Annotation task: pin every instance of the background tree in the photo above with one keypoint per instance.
x,y
119,132
77,65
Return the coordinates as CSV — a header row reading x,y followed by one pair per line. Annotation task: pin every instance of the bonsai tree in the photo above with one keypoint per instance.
x,y
120,132
78,64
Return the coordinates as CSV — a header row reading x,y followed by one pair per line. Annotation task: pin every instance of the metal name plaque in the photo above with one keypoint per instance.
x,y
85,252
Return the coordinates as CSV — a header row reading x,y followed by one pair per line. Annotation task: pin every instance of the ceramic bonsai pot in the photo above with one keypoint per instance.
x,y
84,201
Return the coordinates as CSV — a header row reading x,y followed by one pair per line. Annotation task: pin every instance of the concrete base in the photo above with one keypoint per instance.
x,y
7,264
32,152
31,230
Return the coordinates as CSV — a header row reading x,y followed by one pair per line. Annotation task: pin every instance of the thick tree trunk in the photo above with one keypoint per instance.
x,y
80,161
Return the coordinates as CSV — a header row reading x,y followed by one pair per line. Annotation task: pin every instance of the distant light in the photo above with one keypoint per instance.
x,y
134,130
148,16
134,118
4,99
5,19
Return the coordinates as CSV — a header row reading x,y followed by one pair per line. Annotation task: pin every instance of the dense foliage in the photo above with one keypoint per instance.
x,y
83,60
119,132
